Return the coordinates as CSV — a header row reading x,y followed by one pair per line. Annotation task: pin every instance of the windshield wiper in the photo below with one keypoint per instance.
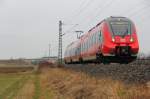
x,y
124,34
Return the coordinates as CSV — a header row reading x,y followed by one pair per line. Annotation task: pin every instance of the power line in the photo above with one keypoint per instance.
x,y
142,19
82,8
87,5
106,6
93,10
138,14
133,7
97,7
134,13
66,32
77,10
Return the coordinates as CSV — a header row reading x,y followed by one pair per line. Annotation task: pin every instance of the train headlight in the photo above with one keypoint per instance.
x,y
131,39
113,39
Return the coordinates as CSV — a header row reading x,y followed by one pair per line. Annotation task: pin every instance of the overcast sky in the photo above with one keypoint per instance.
x,y
28,26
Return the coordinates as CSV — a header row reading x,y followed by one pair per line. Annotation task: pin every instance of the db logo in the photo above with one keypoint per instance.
x,y
123,40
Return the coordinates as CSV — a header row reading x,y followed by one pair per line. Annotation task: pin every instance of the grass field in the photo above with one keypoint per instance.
x,y
66,84
19,86
10,85
63,83
23,86
16,80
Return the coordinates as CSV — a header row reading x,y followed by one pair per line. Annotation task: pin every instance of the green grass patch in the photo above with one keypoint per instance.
x,y
6,80
121,92
48,94
10,85
37,87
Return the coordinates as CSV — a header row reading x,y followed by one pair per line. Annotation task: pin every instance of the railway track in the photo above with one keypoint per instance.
x,y
136,72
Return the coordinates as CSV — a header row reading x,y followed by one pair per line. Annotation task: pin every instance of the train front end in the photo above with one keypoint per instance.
x,y
121,39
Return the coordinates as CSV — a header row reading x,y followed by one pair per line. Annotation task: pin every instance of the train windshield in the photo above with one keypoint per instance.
x,y
120,28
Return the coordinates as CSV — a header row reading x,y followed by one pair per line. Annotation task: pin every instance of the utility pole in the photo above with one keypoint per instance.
x,y
49,50
60,60
60,44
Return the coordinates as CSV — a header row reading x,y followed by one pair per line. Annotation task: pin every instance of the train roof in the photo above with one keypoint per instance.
x,y
112,18
75,43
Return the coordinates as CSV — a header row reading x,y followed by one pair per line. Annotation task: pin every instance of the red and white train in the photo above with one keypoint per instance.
x,y
112,40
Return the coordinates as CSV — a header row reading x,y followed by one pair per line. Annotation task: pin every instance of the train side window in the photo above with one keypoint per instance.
x,y
87,44
90,40
97,36
84,47
71,52
100,34
81,47
94,38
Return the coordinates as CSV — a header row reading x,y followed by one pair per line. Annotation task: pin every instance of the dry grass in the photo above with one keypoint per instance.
x,y
62,83
66,84
11,89
16,81
16,66
27,91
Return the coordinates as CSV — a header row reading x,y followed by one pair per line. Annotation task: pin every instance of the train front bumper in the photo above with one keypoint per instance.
x,y
119,51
